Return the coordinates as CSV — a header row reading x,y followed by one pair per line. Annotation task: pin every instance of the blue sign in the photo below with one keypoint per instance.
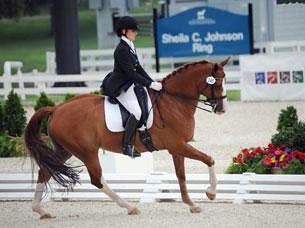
x,y
203,31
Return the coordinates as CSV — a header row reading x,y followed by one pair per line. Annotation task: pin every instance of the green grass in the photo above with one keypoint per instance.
x,y
28,39
233,95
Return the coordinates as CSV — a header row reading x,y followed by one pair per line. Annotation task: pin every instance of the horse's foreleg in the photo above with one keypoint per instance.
x,y
187,150
180,173
40,188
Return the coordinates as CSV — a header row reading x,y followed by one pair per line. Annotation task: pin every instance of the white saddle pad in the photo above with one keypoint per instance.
x,y
129,100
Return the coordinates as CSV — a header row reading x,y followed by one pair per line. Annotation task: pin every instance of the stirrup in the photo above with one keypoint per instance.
x,y
130,151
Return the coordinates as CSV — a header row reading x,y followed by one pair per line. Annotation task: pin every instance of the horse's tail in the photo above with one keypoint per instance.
x,y
45,157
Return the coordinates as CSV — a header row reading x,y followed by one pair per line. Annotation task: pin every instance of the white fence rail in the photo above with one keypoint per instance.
x,y
95,64
157,187
34,84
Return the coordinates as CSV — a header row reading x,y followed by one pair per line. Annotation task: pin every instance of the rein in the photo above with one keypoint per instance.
x,y
209,102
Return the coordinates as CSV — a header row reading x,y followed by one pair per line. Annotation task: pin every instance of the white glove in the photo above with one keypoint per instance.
x,y
156,86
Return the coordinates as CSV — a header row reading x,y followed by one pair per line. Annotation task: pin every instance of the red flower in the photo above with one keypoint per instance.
x,y
301,155
246,154
267,160
253,154
278,152
295,153
271,148
259,150
284,163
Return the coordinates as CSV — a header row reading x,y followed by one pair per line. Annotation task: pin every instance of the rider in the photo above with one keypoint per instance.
x,y
128,73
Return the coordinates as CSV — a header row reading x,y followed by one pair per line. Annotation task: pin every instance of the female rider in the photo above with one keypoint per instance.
x,y
129,78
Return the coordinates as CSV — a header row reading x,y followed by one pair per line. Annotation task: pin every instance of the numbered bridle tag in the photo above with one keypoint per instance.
x,y
211,80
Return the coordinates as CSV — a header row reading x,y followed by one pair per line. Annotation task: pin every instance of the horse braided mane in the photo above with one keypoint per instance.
x,y
182,68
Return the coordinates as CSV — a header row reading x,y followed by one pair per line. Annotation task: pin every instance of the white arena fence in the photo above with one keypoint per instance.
x,y
35,83
95,64
158,187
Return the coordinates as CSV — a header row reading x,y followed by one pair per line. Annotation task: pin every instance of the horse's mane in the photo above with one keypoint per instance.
x,y
182,68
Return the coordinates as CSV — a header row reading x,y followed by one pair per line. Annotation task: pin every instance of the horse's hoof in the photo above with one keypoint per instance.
x,y
47,216
195,209
211,196
134,211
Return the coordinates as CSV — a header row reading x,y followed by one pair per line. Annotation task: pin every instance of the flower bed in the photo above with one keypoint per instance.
x,y
272,159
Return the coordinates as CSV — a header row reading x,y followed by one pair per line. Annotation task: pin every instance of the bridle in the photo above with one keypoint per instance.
x,y
212,101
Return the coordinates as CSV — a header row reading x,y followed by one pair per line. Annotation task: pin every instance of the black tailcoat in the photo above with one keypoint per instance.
x,y
127,70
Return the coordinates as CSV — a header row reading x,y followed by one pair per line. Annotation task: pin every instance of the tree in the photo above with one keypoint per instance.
x,y
2,127
15,118
19,8
11,8
43,101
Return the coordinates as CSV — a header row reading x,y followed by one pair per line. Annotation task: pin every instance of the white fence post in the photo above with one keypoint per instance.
x,y
241,191
152,188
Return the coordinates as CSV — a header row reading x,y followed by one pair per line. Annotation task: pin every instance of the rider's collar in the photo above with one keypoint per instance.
x,y
130,44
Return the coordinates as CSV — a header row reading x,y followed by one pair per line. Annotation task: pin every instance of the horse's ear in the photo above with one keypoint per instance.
x,y
224,62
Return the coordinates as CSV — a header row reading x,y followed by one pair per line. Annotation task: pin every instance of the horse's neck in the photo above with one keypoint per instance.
x,y
184,94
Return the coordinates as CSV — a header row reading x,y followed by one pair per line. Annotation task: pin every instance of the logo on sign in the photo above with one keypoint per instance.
x,y
201,19
200,14
259,78
272,77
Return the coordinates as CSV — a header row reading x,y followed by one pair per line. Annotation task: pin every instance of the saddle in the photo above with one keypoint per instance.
x,y
116,115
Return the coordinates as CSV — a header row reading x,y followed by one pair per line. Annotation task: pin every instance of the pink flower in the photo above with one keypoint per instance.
x,y
267,160
278,152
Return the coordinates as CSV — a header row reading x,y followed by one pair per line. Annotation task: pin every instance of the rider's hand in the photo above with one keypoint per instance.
x,y
156,86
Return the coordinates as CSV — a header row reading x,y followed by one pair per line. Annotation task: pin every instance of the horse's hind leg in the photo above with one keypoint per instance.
x,y
95,172
43,178
180,173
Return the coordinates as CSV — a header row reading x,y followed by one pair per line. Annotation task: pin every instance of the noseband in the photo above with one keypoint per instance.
x,y
212,101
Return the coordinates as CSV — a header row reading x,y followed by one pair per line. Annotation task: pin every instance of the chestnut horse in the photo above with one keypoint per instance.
x,y
77,127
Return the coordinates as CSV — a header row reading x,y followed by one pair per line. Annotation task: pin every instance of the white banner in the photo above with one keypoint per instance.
x,y
272,77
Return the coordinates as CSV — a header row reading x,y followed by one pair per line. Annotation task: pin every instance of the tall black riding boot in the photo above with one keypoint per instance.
x,y
130,130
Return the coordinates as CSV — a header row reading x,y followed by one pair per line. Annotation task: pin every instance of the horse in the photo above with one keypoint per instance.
x,y
77,127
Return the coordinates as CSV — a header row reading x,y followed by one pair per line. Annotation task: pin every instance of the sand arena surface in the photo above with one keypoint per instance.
x,y
106,214
244,125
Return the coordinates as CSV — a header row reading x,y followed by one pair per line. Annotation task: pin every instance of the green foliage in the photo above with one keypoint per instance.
x,y
14,117
11,9
294,167
287,118
236,168
97,92
43,101
283,137
290,131
253,165
260,168
299,136
11,146
68,96
293,137
2,126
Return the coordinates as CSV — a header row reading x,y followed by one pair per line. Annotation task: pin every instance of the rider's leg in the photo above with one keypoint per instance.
x,y
142,100
130,130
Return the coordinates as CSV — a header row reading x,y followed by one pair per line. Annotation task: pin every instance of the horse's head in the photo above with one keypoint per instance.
x,y
212,85
193,79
